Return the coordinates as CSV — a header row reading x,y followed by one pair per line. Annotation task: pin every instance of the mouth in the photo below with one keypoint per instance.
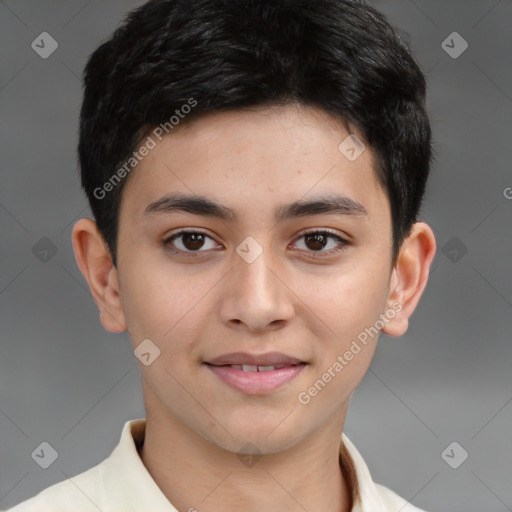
x,y
258,368
256,374
276,359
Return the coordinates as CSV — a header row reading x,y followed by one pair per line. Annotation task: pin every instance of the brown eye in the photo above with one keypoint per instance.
x,y
188,242
193,241
317,241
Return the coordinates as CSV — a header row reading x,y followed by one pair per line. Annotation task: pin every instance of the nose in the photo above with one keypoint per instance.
x,y
256,296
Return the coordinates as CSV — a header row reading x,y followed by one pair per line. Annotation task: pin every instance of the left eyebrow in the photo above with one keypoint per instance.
x,y
200,205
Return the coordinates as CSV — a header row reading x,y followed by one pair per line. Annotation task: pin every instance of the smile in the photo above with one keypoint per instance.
x,y
256,379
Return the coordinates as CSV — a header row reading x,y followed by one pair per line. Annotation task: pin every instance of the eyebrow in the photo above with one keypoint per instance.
x,y
200,205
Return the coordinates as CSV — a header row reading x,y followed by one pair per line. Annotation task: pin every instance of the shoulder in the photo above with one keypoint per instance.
x,y
119,482
76,493
393,502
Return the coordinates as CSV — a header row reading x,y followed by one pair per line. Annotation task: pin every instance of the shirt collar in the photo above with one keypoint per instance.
x,y
138,488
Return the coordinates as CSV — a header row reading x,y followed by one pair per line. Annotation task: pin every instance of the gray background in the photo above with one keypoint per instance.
x,y
65,380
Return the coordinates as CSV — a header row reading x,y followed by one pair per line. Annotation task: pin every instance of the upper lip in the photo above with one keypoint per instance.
x,y
268,359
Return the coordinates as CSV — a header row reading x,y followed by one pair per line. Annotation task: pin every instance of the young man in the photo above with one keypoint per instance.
x,y
255,170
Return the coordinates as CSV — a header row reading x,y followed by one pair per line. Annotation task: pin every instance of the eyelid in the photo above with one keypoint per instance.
x,y
312,231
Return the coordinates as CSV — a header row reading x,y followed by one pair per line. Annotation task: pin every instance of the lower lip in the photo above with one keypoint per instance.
x,y
256,383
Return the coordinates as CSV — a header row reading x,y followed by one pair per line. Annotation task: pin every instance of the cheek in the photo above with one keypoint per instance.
x,y
157,300
347,302
169,311
349,307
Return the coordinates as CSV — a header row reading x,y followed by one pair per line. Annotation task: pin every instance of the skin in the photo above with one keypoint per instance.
x,y
292,299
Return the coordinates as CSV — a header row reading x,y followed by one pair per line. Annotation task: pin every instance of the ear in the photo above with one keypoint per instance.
x,y
409,277
93,258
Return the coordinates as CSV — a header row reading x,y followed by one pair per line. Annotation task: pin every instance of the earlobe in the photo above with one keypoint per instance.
x,y
94,261
409,277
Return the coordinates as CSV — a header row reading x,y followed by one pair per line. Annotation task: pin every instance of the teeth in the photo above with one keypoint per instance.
x,y
266,368
254,368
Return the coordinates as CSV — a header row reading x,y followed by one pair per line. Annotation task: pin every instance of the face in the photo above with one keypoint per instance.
x,y
279,286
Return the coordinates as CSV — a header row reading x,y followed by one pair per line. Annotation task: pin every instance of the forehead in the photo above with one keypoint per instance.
x,y
256,160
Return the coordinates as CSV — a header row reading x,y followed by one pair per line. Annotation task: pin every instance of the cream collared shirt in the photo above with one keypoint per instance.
x,y
121,483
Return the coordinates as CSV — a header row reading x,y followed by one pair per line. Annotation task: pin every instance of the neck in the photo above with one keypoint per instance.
x,y
197,476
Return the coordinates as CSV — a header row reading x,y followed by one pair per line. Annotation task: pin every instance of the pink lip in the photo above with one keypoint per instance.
x,y
259,382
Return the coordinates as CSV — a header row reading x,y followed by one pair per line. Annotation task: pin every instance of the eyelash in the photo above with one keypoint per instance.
x,y
194,254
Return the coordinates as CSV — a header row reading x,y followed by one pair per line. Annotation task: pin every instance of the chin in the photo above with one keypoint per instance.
x,y
264,436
